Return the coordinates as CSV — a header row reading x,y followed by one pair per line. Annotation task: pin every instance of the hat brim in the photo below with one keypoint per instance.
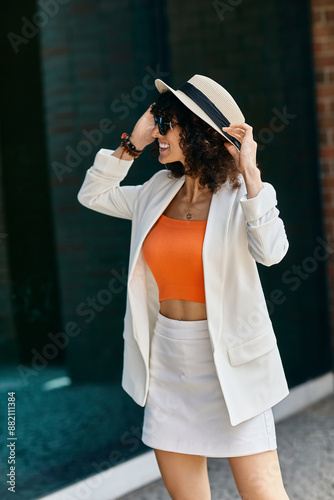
x,y
163,87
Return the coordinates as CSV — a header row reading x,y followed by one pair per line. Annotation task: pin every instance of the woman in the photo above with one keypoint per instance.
x,y
200,352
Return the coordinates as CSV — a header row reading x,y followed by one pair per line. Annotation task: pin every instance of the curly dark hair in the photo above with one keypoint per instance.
x,y
203,147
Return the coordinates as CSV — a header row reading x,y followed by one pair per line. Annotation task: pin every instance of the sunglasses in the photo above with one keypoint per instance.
x,y
163,125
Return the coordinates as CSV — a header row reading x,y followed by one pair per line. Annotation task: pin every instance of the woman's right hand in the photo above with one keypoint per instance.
x,y
141,135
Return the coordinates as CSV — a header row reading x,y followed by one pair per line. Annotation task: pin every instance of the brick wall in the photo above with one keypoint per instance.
x,y
323,53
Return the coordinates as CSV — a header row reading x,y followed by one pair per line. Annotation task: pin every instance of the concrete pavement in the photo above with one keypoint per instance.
x,y
306,452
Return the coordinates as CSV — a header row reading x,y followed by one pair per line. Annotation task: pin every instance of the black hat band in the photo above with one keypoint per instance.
x,y
209,108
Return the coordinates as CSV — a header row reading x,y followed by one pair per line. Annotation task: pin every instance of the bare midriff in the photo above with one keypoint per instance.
x,y
183,309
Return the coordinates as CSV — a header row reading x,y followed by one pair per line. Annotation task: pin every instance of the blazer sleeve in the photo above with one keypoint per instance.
x,y
267,239
101,191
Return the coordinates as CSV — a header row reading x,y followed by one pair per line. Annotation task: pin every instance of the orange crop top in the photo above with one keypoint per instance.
x,y
173,252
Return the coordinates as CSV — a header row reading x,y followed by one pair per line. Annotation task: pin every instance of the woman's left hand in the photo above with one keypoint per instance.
x,y
246,158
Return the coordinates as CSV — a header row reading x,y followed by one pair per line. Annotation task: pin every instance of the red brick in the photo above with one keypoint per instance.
x,y
320,75
328,185
316,16
322,30
327,152
325,90
331,272
329,15
317,45
324,60
330,212
325,169
323,137
326,121
327,199
323,44
322,106
320,3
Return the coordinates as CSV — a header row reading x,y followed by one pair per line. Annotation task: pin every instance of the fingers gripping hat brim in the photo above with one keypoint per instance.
x,y
210,95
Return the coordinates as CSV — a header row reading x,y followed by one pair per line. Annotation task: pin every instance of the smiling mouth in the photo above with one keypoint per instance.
x,y
163,147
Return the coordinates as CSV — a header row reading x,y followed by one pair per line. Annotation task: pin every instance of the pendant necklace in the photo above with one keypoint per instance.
x,y
188,216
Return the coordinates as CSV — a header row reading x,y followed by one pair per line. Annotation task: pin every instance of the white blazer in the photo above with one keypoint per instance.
x,y
239,233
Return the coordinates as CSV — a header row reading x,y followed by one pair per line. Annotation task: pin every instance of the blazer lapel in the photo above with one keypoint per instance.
x,y
149,214
214,259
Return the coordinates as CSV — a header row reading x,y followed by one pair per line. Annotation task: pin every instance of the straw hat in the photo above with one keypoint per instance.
x,y
210,101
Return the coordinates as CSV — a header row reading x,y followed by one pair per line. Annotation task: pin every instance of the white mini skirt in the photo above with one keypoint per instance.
x,y
185,411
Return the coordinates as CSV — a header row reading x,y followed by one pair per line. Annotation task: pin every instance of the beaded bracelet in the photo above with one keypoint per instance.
x,y
127,145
